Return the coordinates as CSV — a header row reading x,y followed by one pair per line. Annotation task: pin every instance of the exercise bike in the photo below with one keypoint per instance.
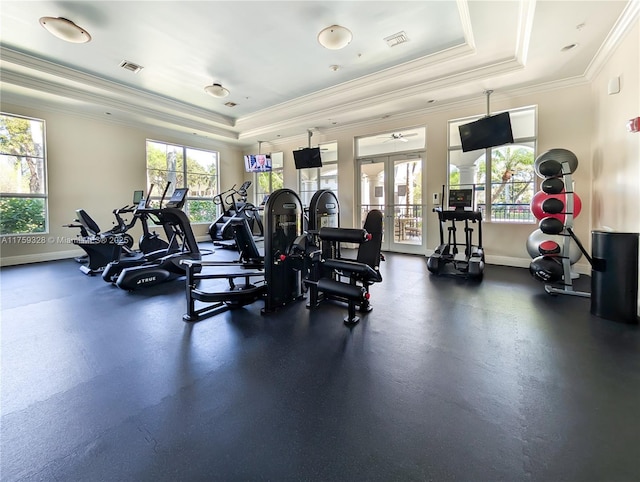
x,y
102,247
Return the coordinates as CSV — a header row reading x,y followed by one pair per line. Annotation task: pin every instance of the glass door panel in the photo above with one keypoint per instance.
x,y
372,192
407,204
394,186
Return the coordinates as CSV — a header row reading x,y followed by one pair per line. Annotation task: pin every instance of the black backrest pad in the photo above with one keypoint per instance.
x,y
87,221
347,235
369,252
244,240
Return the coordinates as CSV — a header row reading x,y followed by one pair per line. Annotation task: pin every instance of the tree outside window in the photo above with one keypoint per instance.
x,y
268,182
166,163
23,187
325,177
511,182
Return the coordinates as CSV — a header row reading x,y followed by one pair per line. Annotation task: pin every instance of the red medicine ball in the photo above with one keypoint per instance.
x,y
540,197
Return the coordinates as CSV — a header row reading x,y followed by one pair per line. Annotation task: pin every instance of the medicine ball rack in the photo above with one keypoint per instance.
x,y
568,235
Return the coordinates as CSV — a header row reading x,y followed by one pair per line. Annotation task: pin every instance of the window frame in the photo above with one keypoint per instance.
x,y
317,172
520,217
44,195
157,194
277,167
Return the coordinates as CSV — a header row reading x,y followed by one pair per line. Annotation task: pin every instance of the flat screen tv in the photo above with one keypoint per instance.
x,y
257,163
494,130
460,198
307,157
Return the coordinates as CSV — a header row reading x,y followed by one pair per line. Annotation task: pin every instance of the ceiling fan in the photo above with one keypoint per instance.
x,y
398,136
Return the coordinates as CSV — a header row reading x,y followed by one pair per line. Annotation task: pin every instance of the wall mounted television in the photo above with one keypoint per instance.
x,y
307,157
491,131
257,162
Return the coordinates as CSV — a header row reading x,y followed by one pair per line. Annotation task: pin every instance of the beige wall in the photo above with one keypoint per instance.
x,y
616,152
564,120
96,165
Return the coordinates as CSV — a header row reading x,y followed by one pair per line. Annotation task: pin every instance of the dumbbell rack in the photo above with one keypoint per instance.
x,y
568,236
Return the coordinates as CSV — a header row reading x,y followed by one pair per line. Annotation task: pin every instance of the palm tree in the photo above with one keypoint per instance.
x,y
511,166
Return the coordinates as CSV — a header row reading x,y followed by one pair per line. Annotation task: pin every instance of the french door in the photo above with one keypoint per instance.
x,y
393,184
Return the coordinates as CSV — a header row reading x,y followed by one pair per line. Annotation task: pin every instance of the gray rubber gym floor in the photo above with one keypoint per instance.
x,y
443,380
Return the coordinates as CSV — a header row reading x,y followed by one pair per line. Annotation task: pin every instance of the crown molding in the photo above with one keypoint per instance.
x,y
525,27
69,92
92,84
362,88
457,103
350,104
623,25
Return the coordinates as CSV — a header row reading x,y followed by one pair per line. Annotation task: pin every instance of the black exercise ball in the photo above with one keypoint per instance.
x,y
547,269
551,226
549,168
552,185
545,168
552,205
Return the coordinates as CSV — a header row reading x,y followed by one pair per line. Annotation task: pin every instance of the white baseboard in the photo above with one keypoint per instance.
x,y
524,263
41,257
38,258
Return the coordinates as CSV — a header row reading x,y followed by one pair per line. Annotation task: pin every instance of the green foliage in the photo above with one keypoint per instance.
x,y
165,163
454,177
21,146
270,181
277,180
21,142
512,175
201,211
16,138
22,216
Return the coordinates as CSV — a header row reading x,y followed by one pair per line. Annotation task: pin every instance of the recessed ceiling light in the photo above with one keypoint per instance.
x,y
230,104
431,101
65,29
566,48
334,67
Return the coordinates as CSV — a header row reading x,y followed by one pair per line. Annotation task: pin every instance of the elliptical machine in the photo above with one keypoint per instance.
x,y
234,205
150,242
165,264
470,263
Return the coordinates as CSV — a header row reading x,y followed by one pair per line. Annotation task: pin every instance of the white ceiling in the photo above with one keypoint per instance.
x,y
267,55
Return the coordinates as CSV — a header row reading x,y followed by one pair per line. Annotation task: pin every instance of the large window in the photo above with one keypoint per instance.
x,y
23,169
183,166
267,182
503,178
325,177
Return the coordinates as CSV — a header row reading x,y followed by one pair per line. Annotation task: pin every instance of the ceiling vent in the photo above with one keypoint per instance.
x,y
130,66
396,39
230,104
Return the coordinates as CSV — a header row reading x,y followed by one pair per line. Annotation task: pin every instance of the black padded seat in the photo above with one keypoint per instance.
x,y
361,270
